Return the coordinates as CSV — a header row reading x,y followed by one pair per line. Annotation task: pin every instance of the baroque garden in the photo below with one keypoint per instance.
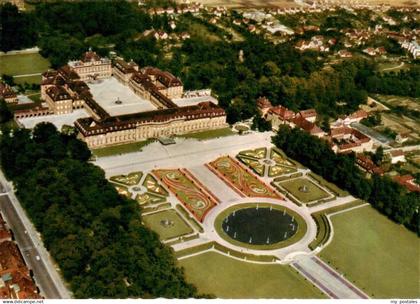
x,y
255,208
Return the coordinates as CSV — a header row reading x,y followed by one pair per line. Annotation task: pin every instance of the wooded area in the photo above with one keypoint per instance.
x,y
297,80
94,234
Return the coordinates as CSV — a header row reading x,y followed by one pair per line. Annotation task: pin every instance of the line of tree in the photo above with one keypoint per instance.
x,y
5,114
95,235
403,83
381,192
17,29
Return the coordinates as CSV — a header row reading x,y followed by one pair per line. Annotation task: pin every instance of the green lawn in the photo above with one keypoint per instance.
x,y
120,149
381,257
225,277
177,228
314,192
20,64
200,31
35,97
28,79
209,134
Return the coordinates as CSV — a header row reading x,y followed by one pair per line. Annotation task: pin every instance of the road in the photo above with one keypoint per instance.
x,y
394,68
35,255
186,153
27,75
327,279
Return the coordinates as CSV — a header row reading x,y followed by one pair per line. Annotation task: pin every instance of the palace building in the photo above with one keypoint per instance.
x,y
92,66
7,93
126,103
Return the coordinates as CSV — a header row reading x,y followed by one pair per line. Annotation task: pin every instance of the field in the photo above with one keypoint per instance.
x,y
176,226
313,193
200,31
245,280
403,117
380,256
237,177
24,64
397,101
187,191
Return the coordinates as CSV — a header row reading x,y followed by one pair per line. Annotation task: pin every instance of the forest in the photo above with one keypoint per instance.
x,y
381,192
64,30
94,234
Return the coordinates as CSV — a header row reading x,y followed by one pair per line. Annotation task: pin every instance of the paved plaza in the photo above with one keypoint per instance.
x,y
57,120
106,92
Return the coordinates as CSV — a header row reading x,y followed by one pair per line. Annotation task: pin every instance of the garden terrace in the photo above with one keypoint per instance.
x,y
168,224
130,179
276,164
304,190
144,189
188,191
240,179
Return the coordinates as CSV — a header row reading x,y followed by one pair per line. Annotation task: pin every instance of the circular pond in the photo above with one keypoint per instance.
x,y
259,225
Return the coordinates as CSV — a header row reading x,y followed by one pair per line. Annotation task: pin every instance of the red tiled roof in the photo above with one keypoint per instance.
x,y
306,125
335,132
408,182
10,257
396,153
283,112
308,113
263,102
358,114
367,164
5,234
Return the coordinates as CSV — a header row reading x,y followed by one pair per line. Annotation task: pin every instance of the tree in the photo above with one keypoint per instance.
x,y
7,79
94,234
17,31
5,113
260,124
378,156
44,131
78,149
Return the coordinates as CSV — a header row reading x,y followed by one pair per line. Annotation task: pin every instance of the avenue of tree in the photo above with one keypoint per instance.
x,y
94,234
381,192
